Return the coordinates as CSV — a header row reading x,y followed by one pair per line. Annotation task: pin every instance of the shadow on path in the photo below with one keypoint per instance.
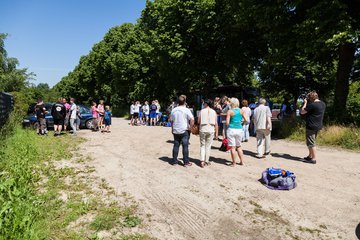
x,y
287,157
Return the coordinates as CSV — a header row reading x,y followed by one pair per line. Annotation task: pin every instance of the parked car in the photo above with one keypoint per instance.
x,y
31,120
276,111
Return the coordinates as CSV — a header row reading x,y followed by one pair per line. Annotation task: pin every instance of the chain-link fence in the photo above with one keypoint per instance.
x,y
6,106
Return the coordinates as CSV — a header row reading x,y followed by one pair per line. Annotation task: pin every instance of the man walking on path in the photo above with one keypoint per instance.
x,y
58,111
314,110
73,115
263,126
182,121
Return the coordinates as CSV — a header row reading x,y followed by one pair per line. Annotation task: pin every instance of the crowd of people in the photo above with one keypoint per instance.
x,y
225,116
66,114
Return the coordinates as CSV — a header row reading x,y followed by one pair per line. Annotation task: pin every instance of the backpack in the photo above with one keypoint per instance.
x,y
278,179
225,145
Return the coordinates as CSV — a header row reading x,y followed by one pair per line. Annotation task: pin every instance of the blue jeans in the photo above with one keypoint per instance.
x,y
182,139
246,132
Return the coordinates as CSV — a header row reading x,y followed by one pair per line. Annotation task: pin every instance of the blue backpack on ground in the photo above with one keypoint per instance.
x,y
278,179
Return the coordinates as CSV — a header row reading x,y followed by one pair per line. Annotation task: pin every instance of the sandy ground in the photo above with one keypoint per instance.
x,y
221,202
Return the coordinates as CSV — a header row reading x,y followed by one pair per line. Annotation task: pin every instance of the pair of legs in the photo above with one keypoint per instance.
x,y
311,144
246,133
234,137
41,126
237,151
95,124
263,137
182,139
73,124
206,140
152,121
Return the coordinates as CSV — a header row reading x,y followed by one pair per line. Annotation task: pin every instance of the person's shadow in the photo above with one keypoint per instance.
x,y
287,157
169,161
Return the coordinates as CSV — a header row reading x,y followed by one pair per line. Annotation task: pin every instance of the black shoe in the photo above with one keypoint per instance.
x,y
311,161
307,158
174,163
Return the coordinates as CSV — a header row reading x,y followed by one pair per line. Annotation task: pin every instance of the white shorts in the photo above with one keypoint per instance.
x,y
234,137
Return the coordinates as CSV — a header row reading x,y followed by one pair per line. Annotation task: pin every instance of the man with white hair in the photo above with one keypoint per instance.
x,y
263,126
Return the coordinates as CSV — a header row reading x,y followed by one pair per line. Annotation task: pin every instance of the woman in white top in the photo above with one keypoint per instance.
x,y
247,111
208,128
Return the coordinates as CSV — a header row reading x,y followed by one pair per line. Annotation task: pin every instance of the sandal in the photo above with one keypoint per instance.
x,y
241,163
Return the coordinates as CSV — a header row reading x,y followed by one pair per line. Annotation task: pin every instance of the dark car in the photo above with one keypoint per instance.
x,y
31,120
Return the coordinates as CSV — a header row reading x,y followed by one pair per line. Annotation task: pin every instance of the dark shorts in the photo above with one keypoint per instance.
x,y
153,115
311,137
136,115
58,121
107,122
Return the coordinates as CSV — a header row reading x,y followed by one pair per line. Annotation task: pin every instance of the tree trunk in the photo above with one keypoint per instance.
x,y
346,61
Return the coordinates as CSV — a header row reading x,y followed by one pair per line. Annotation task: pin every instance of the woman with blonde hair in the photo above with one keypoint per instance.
x,y
208,129
234,118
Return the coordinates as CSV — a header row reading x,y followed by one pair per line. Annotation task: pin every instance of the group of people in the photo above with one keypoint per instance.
x,y
101,117
63,113
145,114
68,114
225,116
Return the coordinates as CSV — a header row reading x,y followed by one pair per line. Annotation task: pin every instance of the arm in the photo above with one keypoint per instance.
x,y
199,119
228,116
216,129
269,123
191,123
303,111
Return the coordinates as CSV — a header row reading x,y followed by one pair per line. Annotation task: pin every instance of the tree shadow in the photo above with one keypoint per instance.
x,y
287,157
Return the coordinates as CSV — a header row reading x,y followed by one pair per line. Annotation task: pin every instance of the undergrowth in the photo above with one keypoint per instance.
x,y
334,135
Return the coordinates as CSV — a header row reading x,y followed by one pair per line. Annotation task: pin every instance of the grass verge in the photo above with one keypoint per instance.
x,y
334,135
48,193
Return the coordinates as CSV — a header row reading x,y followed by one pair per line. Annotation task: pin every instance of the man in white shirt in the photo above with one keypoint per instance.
x,y
73,115
182,121
263,126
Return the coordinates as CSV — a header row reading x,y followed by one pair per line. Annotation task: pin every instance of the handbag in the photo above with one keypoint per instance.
x,y
195,129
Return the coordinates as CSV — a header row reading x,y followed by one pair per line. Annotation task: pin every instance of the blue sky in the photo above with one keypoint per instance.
x,y
49,36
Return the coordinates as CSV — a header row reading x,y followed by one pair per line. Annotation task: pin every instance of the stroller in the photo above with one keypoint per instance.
x,y
163,119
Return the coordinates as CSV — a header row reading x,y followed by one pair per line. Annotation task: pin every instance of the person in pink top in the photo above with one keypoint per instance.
x,y
247,111
67,116
95,116
101,111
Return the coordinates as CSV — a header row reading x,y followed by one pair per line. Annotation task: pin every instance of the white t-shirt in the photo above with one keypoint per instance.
x,y
247,112
73,110
137,108
132,109
146,109
180,117
158,108
261,113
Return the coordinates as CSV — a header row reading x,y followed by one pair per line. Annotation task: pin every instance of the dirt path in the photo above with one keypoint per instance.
x,y
220,202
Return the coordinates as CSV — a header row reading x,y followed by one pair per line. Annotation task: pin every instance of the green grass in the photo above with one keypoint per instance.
x,y
334,135
39,199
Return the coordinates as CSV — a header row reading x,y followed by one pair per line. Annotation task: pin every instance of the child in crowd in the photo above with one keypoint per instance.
x,y
101,111
95,116
107,119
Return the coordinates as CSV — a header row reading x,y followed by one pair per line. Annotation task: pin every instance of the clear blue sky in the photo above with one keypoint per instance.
x,y
49,36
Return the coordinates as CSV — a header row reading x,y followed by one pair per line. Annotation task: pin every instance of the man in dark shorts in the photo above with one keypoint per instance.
x,y
58,112
314,110
40,112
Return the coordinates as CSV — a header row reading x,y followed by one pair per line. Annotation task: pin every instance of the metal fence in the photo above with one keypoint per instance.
x,y
6,106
